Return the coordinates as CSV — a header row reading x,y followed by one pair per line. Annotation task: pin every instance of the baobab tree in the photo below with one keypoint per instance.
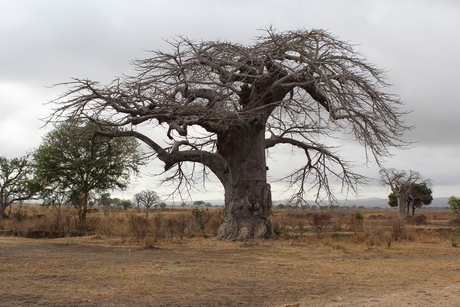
x,y
408,188
416,195
222,105
147,198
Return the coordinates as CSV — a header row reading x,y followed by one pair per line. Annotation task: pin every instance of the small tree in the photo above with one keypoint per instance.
x,y
454,204
15,182
198,203
162,206
105,200
147,198
126,204
420,194
73,162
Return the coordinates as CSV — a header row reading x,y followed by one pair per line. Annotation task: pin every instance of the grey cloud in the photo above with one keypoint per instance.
x,y
46,42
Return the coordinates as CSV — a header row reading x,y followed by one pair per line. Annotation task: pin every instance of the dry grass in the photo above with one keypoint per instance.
x,y
164,260
377,228
94,271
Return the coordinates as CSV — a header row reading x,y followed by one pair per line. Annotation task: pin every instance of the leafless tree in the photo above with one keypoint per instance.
x,y
404,185
147,198
223,105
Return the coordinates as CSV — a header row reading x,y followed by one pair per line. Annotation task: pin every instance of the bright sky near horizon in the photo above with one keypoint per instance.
x,y
50,41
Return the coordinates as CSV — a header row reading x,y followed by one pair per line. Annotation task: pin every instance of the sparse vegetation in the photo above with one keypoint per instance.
x,y
454,204
455,236
369,227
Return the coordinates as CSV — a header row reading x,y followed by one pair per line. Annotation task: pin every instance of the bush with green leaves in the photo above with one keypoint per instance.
x,y
454,204
202,216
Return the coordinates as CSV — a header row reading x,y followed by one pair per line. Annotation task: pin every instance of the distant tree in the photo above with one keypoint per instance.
x,y
454,204
293,88
198,203
417,196
162,206
420,194
403,185
105,200
137,200
147,198
126,204
73,161
15,184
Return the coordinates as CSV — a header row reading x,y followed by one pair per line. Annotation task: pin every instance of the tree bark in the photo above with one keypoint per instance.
x,y
83,210
402,205
247,195
247,212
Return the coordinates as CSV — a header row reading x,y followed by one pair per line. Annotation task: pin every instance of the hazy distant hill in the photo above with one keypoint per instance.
x,y
381,202
365,202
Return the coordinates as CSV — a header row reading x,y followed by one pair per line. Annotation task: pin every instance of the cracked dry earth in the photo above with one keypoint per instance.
x,y
90,271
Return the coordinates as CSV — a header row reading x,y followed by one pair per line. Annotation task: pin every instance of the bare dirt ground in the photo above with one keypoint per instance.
x,y
89,271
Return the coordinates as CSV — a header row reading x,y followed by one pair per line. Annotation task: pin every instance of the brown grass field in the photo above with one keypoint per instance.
x,y
380,262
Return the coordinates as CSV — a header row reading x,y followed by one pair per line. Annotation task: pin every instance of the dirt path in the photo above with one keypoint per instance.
x,y
91,272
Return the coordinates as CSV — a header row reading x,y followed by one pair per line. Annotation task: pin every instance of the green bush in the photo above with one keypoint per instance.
x,y
454,204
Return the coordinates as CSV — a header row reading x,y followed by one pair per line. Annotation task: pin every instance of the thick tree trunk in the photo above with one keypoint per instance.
x,y
247,196
83,210
2,206
402,205
247,212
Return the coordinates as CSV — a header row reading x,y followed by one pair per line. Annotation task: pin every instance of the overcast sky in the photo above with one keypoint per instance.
x,y
417,41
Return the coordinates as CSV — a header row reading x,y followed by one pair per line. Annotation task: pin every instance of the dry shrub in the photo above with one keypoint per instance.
x,y
340,221
176,226
357,238
148,242
41,222
111,224
416,220
429,236
320,222
138,226
398,230
373,217
455,222
376,237
355,222
158,226
212,226
279,223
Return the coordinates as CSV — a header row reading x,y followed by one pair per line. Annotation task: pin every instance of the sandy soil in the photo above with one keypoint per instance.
x,y
91,272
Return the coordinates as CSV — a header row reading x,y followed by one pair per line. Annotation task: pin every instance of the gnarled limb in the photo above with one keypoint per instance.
x,y
321,163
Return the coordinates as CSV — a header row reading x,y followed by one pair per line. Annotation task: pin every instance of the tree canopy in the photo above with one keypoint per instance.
x,y
72,162
15,185
224,104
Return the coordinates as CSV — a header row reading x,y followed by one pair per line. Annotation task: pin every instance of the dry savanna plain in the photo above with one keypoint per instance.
x,y
322,258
